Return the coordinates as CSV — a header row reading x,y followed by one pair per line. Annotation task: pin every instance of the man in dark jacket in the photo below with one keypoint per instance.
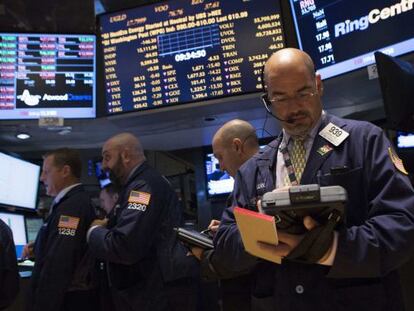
x,y
61,245
358,269
233,144
9,276
148,269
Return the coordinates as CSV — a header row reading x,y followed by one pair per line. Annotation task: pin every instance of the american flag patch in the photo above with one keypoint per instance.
x,y
139,197
68,222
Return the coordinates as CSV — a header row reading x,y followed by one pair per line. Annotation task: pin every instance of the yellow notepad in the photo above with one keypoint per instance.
x,y
254,227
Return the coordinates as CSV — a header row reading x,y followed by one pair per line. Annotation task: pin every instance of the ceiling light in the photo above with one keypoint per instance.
x,y
23,136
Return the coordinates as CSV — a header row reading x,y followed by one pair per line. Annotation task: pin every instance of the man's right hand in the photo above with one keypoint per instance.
x,y
99,222
28,251
213,226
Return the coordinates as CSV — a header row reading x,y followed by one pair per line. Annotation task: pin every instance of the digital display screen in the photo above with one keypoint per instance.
x,y
342,36
218,182
405,140
33,226
47,75
16,224
19,181
101,175
184,51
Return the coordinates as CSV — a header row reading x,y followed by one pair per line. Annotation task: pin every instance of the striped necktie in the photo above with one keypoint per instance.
x,y
295,162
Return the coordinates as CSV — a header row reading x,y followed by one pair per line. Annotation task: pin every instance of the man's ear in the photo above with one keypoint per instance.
x,y
319,84
124,156
237,145
66,170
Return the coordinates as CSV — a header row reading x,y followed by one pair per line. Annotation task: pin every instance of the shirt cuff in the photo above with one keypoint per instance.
x,y
330,260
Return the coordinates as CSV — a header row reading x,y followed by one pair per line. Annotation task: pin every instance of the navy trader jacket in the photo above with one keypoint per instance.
x,y
9,276
377,238
59,248
140,245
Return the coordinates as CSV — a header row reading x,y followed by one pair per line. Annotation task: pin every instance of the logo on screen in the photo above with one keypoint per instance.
x,y
29,99
373,17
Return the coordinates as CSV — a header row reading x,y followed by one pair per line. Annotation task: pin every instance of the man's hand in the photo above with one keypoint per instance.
x,y
99,222
213,226
287,241
28,250
197,252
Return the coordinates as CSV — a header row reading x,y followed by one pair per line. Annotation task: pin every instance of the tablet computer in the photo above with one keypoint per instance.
x,y
195,238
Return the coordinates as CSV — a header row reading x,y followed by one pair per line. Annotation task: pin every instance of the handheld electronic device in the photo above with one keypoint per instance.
x,y
291,205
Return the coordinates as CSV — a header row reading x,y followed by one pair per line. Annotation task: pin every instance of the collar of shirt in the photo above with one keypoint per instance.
x,y
286,140
133,171
63,192
280,162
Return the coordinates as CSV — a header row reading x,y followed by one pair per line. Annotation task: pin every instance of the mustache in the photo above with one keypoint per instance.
x,y
298,115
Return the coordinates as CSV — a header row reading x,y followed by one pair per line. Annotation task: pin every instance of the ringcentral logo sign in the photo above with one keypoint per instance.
x,y
373,17
33,100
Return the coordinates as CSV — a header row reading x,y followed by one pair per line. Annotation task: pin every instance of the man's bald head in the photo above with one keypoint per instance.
x,y
121,154
284,61
126,142
294,91
236,129
233,144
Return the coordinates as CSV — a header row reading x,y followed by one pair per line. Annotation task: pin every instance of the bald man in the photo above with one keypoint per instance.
x,y
233,144
358,268
145,267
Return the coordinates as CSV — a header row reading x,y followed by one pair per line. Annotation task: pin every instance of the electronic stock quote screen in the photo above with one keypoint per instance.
x,y
342,35
184,51
47,75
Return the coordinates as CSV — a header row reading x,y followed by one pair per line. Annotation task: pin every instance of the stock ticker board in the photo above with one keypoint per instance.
x,y
185,51
47,75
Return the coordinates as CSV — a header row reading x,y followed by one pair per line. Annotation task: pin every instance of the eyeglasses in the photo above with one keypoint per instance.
x,y
284,100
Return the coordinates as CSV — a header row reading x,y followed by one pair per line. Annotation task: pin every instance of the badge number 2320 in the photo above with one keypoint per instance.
x,y
67,231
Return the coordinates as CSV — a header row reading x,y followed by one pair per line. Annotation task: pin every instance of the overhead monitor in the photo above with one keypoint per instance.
x,y
182,51
16,224
19,181
342,36
47,75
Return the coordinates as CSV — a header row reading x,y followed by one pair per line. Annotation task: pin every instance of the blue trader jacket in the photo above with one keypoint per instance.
x,y
59,248
140,245
377,238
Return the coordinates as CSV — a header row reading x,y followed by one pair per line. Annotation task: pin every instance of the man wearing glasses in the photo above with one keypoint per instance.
x,y
357,269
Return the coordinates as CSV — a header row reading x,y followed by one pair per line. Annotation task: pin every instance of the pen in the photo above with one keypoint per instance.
x,y
206,231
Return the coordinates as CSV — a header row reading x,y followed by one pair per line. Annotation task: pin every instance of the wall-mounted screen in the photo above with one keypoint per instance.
x,y
47,75
33,225
101,175
16,224
342,35
19,181
218,182
188,50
